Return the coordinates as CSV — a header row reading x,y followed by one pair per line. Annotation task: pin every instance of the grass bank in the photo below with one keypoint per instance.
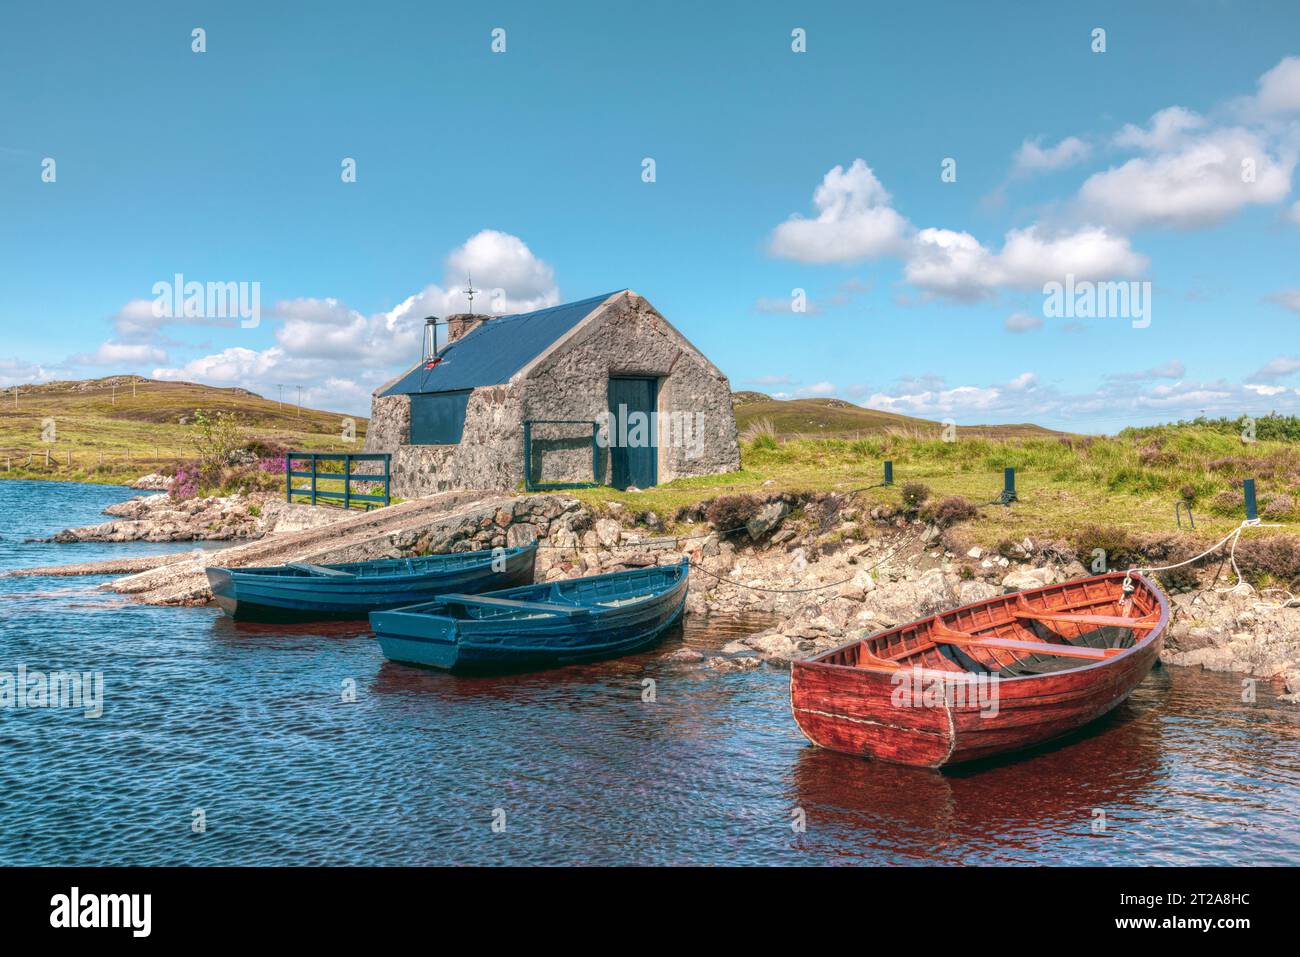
x,y
1066,483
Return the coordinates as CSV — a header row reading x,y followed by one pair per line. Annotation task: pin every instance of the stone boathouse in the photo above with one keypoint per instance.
x,y
600,391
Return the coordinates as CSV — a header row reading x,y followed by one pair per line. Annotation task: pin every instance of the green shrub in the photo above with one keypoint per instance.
x,y
914,494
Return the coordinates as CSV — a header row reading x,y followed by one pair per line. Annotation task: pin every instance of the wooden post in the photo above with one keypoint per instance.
x,y
288,476
889,471
347,481
1252,509
313,478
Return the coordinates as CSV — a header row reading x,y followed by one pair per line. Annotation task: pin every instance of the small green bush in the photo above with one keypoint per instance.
x,y
914,494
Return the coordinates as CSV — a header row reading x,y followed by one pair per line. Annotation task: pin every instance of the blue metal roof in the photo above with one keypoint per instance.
x,y
496,350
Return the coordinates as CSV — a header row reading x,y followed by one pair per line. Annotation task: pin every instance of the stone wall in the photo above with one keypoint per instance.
x,y
390,423
631,338
634,339
489,456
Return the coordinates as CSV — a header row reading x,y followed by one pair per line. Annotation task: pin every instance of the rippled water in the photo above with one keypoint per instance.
x,y
247,723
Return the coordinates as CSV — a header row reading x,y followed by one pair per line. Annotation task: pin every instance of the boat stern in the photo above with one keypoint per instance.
x,y
417,639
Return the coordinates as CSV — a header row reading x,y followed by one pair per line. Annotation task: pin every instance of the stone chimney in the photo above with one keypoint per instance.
x,y
463,323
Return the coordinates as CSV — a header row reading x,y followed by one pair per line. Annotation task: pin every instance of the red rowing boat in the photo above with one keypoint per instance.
x,y
990,677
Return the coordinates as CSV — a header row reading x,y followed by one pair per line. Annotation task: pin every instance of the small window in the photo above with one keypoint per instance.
x,y
438,418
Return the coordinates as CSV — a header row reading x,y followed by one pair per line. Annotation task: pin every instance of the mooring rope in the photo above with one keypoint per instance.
x,y
1233,536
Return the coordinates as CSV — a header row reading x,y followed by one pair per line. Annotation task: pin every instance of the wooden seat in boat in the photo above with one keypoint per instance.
x,y
510,604
320,570
1024,612
1100,621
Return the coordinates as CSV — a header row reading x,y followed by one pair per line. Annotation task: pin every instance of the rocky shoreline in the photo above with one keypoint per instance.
x,y
160,518
824,571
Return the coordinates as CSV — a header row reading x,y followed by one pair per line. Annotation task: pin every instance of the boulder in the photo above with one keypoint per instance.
x,y
769,517
608,532
1023,579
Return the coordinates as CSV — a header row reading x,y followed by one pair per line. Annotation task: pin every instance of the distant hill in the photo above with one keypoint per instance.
x,y
835,418
148,420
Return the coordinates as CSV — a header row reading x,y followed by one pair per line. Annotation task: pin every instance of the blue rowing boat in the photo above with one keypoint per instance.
x,y
539,626
354,589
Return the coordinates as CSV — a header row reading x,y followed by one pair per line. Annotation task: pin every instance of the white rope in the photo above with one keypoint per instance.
x,y
1233,536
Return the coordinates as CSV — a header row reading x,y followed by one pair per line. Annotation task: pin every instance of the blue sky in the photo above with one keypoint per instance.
x,y
774,171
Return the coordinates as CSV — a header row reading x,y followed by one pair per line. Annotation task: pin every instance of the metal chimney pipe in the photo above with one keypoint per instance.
x,y
430,343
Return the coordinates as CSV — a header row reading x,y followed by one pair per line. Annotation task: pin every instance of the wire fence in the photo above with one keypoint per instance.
x,y
55,458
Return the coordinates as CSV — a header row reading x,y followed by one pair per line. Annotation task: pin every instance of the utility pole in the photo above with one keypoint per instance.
x,y
300,402
115,392
15,396
280,400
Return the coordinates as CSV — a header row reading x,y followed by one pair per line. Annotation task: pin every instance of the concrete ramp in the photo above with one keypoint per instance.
x,y
431,522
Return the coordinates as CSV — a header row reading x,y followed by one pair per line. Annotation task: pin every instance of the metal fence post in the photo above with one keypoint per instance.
x,y
1008,487
889,472
347,481
1252,509
313,478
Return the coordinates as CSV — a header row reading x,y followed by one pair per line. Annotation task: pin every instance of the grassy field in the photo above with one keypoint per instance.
x,y
118,428
1132,481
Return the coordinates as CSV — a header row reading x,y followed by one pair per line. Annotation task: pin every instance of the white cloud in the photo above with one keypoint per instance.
x,y
1277,368
816,389
770,380
1117,402
956,266
1201,181
339,354
1286,298
136,320
1292,215
855,220
503,264
1167,127
15,371
1279,88
933,403
1022,322
112,353
952,264
1032,157
1266,390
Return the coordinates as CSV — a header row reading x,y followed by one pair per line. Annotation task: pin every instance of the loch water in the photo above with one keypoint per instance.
x,y
247,729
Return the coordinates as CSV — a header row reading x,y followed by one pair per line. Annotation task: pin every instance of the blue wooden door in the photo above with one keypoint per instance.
x,y
633,448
